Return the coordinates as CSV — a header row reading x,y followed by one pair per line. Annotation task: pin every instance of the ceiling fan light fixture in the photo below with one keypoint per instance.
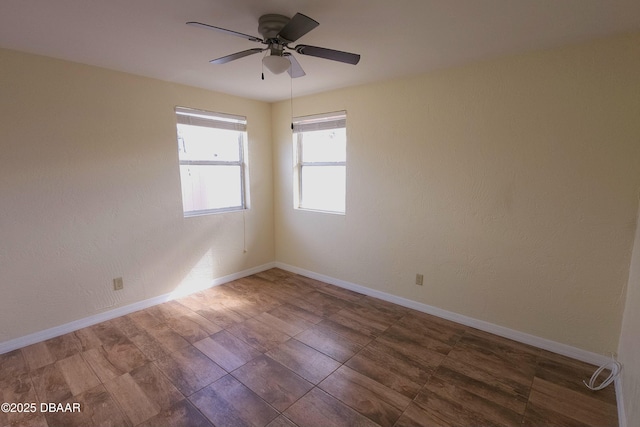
x,y
276,64
277,32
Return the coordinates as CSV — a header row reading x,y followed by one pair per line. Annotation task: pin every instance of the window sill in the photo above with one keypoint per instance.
x,y
192,214
320,211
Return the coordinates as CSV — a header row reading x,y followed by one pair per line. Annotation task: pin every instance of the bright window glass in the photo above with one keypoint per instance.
x,y
211,152
320,144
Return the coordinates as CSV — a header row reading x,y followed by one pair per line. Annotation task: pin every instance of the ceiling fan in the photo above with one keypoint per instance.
x,y
278,32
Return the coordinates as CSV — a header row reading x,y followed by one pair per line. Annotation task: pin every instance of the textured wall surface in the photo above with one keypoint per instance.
x,y
511,184
629,350
90,190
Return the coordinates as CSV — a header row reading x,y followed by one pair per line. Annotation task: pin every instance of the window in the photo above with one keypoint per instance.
x,y
320,147
211,152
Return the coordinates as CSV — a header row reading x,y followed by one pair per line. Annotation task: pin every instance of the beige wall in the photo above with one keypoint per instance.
x,y
511,184
629,350
90,190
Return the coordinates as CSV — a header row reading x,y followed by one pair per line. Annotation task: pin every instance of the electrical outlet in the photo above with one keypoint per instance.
x,y
118,284
419,279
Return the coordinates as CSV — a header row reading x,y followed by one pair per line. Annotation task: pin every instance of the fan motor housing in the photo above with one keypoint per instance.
x,y
270,25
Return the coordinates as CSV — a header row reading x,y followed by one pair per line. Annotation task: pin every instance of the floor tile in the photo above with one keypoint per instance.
x,y
390,310
169,339
189,325
205,324
234,301
274,274
329,342
430,326
37,355
87,338
286,291
290,325
509,394
257,334
227,402
108,334
144,319
156,386
261,301
373,318
135,404
318,408
370,398
97,408
30,420
504,362
294,311
320,304
305,361
77,374
350,319
412,341
190,330
281,421
220,315
349,334
226,350
151,347
390,371
341,293
274,383
536,416
415,416
411,358
64,346
167,311
12,365
304,281
50,385
282,350
19,388
249,285
180,414
123,354
588,410
300,283
189,370
460,407
127,326
570,373
194,302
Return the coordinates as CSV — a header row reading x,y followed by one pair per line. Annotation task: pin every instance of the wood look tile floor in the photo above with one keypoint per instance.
x,y
278,349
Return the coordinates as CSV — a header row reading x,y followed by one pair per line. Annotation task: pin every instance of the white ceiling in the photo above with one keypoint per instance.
x,y
395,38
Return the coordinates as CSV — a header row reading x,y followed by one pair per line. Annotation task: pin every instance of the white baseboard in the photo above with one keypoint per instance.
x,y
622,416
56,331
543,343
522,337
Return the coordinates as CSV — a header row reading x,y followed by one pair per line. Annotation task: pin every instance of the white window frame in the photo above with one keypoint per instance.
x,y
325,121
195,117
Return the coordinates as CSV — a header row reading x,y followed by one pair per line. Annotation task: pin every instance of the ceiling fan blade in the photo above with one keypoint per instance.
x,y
223,30
297,27
295,70
334,55
235,56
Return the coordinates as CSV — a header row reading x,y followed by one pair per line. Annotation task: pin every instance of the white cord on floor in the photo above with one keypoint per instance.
x,y
615,368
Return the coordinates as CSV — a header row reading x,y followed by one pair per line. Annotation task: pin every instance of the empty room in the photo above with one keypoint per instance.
x,y
300,213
